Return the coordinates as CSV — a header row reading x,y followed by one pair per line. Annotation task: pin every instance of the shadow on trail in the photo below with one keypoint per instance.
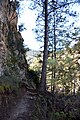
x,y
23,109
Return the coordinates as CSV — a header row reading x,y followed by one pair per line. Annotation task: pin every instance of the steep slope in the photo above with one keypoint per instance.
x,y
12,52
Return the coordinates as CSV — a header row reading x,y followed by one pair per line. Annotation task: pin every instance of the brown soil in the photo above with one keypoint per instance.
x,y
19,107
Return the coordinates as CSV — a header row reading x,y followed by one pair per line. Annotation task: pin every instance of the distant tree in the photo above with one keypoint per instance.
x,y
52,17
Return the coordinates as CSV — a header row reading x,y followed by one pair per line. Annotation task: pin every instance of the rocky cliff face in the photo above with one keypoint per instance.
x,y
12,52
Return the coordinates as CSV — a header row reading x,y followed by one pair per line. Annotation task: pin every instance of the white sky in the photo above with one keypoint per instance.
x,y
28,17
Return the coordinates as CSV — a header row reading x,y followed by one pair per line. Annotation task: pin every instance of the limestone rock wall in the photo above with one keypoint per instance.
x,y
12,52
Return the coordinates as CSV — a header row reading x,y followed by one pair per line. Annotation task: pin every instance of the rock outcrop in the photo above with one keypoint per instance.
x,y
12,52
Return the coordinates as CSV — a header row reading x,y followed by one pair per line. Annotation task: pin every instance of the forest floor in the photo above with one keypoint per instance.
x,y
29,105
24,108
21,109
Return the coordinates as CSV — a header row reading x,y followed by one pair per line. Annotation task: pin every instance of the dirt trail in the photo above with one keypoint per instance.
x,y
23,109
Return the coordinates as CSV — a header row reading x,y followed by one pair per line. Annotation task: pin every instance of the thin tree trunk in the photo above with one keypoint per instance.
x,y
54,70
45,54
52,67
74,86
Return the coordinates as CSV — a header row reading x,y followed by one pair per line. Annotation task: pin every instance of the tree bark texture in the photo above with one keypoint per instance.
x,y
45,53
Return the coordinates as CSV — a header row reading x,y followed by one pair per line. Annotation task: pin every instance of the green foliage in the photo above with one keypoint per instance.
x,y
59,115
52,62
69,60
34,77
9,82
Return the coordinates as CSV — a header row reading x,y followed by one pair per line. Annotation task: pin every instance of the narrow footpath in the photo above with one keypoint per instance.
x,y
24,108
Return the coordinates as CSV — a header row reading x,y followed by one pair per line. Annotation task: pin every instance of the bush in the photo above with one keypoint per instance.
x,y
8,83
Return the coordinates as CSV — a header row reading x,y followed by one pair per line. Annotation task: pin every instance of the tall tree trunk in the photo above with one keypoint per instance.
x,y
54,70
45,53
